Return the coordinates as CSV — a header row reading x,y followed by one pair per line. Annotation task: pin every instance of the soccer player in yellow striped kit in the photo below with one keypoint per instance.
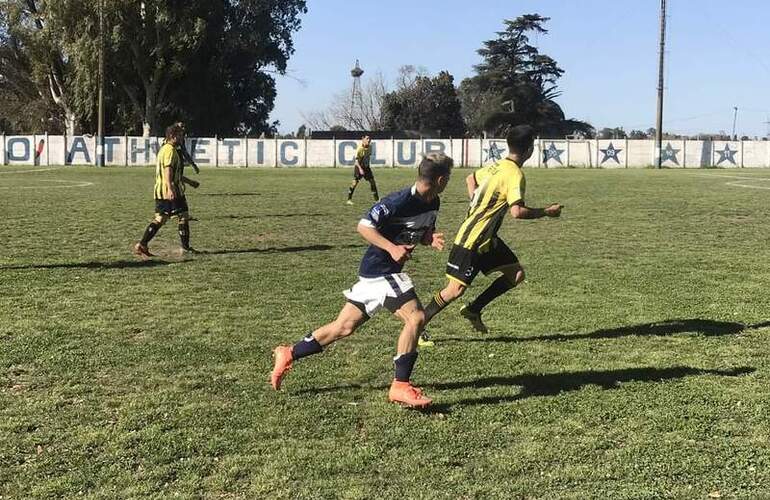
x,y
169,194
494,190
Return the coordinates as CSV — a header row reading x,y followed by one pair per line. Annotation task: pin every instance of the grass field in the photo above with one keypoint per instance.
x,y
633,363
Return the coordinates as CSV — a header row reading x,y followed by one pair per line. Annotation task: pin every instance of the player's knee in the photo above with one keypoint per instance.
x,y
515,276
346,328
160,219
183,218
416,320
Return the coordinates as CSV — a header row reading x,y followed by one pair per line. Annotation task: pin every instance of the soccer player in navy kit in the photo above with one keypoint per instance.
x,y
393,227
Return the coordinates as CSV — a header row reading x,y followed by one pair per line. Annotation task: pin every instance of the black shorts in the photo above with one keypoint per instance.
x,y
368,175
463,264
171,208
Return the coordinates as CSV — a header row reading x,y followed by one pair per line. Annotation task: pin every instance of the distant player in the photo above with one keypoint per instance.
x,y
494,190
362,169
169,194
393,227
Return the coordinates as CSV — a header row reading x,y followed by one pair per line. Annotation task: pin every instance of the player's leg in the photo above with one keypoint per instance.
x,y
401,389
183,225
373,185
500,259
356,179
348,320
152,229
461,269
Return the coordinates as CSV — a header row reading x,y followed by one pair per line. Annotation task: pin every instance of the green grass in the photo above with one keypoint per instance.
x,y
631,364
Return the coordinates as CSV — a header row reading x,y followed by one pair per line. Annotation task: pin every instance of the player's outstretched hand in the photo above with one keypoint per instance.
x,y
194,184
401,253
438,241
553,210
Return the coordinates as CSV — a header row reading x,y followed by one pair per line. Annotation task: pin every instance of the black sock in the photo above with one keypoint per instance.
x,y
306,347
374,191
184,234
436,305
150,232
496,289
351,190
404,365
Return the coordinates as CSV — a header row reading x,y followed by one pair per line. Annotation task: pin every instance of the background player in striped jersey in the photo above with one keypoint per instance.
x,y
362,169
169,194
494,190
393,227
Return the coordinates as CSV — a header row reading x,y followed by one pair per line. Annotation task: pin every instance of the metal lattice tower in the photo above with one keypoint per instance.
x,y
356,98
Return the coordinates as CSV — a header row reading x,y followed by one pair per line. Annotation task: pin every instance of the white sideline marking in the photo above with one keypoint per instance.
x,y
73,184
31,171
740,177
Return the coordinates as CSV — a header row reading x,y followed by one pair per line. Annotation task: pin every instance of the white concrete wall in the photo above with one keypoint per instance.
x,y
290,153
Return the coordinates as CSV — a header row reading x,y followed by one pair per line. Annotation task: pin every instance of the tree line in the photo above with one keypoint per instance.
x,y
210,63
213,63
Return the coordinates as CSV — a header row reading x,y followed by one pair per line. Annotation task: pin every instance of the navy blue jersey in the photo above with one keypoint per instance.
x,y
402,218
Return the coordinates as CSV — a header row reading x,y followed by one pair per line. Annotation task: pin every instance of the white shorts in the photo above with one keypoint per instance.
x,y
372,294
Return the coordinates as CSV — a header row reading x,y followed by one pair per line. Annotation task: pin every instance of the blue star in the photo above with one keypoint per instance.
x,y
669,154
493,152
610,153
727,154
552,153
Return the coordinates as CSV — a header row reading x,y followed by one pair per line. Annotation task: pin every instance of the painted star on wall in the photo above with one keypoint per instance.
x,y
611,153
493,153
669,154
727,154
552,153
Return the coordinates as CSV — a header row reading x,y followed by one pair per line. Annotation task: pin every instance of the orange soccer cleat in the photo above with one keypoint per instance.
x,y
408,395
283,359
142,251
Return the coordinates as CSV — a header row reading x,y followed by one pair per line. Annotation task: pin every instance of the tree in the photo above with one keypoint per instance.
x,y
211,63
516,84
48,63
351,115
424,104
637,134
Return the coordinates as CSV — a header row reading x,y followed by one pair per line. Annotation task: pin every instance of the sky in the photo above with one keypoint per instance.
x,y
717,56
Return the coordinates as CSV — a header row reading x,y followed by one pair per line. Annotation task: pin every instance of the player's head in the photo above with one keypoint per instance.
x,y
435,170
174,134
521,141
365,140
182,128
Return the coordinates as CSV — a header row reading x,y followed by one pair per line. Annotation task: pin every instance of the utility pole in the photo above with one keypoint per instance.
x,y
735,120
661,67
100,127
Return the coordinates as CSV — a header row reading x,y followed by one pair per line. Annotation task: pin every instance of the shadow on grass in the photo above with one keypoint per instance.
x,y
268,216
309,248
705,327
550,384
228,194
118,264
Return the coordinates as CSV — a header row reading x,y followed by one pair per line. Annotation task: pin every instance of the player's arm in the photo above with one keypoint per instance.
x,y
520,211
471,184
399,253
190,182
187,158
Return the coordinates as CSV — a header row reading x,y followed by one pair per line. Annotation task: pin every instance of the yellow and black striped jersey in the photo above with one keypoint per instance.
x,y
168,156
498,187
363,155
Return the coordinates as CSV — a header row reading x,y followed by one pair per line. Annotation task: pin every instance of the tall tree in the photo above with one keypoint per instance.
x,y
425,104
47,59
516,84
